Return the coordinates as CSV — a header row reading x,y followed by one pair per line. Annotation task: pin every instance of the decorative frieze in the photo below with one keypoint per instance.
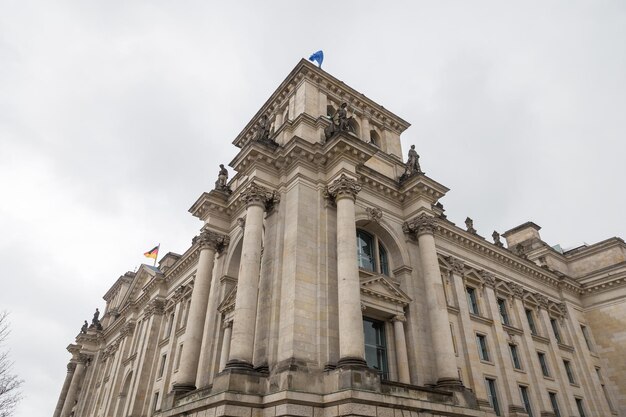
x,y
374,214
420,224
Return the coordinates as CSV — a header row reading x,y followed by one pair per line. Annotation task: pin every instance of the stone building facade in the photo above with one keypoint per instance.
x,y
326,281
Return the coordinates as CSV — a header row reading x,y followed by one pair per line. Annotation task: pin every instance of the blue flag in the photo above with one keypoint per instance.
x,y
317,57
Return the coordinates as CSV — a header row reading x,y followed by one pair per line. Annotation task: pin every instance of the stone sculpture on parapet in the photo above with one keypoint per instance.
x,y
264,132
95,322
469,224
496,239
339,122
412,165
83,329
222,180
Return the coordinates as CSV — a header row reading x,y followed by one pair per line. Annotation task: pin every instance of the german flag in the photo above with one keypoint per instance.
x,y
152,253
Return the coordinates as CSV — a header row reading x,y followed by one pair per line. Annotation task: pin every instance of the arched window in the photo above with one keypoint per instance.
x,y
374,138
371,254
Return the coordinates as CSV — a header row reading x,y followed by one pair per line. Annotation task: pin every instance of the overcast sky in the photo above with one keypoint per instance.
x,y
114,116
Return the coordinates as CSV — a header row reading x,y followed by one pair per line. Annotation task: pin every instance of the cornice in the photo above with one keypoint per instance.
x,y
593,249
334,89
469,241
603,285
126,278
189,258
212,202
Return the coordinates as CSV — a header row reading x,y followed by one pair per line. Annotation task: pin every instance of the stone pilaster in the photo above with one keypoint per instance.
x,y
351,338
402,358
210,243
228,329
257,200
445,360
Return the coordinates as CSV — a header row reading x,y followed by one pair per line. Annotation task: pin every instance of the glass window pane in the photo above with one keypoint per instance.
x,y
384,265
365,250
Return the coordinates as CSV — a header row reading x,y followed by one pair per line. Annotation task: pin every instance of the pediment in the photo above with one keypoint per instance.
x,y
228,303
142,277
382,287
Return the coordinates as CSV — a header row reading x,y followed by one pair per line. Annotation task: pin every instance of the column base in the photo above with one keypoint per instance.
x,y
449,383
239,364
183,388
352,363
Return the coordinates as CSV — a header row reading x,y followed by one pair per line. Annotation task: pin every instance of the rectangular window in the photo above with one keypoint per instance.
x,y
544,363
492,395
155,401
555,329
555,404
569,371
162,367
170,324
504,315
607,397
515,356
376,346
581,408
481,342
472,302
526,400
531,321
587,337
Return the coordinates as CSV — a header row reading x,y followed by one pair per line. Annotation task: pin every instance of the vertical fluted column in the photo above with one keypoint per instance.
x,y
445,360
257,199
77,380
351,339
209,242
71,367
402,358
228,329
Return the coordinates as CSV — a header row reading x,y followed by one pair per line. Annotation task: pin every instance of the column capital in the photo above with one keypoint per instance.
x,y
156,306
542,300
343,187
208,239
518,290
458,266
422,224
127,329
399,317
83,359
489,279
255,194
71,367
228,323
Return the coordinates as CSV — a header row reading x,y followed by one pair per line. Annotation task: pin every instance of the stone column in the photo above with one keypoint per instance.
x,y
402,358
445,360
257,199
77,380
71,367
209,242
228,329
351,338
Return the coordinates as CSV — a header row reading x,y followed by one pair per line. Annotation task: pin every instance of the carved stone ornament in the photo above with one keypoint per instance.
x,y
488,278
84,358
211,240
399,317
71,367
542,300
458,266
374,214
228,323
155,306
420,224
259,195
518,290
241,222
343,186
562,309
127,329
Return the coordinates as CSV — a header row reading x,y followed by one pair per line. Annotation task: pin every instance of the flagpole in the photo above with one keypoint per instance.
x,y
155,258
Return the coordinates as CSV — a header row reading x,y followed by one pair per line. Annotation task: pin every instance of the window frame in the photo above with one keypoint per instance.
x,y
379,258
492,394
530,319
554,401
569,371
472,300
162,365
517,363
503,310
524,395
483,347
580,406
556,329
543,363
384,348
